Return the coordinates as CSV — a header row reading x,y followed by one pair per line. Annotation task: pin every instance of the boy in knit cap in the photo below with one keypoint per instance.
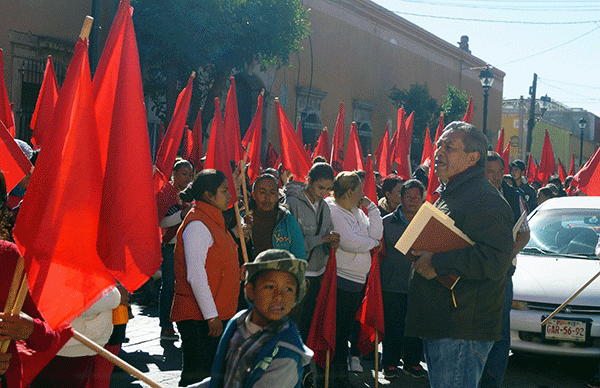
x,y
261,346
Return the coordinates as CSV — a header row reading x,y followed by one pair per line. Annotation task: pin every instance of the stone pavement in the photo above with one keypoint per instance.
x,y
161,360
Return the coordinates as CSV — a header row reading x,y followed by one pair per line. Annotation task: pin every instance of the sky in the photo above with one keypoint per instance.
x,y
507,35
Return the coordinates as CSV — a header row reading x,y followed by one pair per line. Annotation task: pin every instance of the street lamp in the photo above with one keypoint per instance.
x,y
582,125
487,79
545,103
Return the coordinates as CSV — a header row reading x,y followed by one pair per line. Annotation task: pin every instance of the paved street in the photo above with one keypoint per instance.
x,y
161,361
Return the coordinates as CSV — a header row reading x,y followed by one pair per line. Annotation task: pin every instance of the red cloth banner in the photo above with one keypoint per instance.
x,y
354,156
40,121
253,139
370,313
293,155
382,154
337,143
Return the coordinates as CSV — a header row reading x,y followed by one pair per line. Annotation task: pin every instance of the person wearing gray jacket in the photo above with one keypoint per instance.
x,y
305,202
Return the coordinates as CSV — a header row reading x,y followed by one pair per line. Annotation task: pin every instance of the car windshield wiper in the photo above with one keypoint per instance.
x,y
538,250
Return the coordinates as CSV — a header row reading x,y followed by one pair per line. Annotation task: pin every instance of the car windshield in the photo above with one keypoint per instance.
x,y
564,232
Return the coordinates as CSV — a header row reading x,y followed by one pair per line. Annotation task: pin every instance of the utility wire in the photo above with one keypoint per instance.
x,y
570,84
593,6
566,91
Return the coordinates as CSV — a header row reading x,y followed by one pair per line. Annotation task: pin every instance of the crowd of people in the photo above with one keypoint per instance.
x,y
244,321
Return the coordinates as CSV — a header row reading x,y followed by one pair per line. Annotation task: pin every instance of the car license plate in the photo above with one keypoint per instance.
x,y
567,330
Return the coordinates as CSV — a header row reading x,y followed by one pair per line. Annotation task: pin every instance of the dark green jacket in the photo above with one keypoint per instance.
x,y
479,210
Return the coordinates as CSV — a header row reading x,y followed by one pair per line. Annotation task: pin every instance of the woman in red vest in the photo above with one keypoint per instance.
x,y
207,280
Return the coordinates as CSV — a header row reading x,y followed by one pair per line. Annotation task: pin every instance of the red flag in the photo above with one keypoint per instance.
x,y
370,313
382,157
531,170
427,149
469,113
40,121
572,167
321,336
562,172
130,252
409,130
337,143
500,144
588,177
253,139
354,156
165,159
434,181
506,158
13,162
323,149
370,189
217,156
6,113
196,153
57,226
232,126
272,157
547,165
188,143
401,147
293,155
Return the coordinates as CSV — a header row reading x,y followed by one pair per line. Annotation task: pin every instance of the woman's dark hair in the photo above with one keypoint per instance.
x,y
263,177
321,171
547,191
182,163
206,180
319,159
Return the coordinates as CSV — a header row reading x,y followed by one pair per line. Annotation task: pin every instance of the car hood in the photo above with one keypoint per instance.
x,y
551,279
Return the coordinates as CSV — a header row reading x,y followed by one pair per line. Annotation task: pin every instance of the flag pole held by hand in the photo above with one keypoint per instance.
x,y
236,209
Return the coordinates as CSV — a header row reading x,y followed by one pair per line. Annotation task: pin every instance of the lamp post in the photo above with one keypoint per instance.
x,y
582,125
545,103
487,79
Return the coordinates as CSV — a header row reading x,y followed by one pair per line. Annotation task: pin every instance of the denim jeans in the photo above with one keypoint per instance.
x,y
167,286
455,363
497,361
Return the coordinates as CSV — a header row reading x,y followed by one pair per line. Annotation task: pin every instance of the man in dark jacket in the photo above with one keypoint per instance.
x,y
395,273
459,326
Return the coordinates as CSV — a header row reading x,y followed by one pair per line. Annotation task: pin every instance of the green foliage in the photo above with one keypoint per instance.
x,y
455,104
426,111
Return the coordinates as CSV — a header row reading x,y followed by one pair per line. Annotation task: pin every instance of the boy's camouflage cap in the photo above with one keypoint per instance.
x,y
279,260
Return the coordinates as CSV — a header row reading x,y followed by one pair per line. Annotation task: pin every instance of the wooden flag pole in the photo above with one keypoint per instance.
x,y
114,359
327,368
236,208
562,306
15,299
86,28
243,172
376,358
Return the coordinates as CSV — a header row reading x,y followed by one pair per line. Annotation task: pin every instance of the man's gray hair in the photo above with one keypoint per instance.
x,y
473,139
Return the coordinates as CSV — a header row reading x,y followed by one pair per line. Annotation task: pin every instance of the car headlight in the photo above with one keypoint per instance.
x,y
519,305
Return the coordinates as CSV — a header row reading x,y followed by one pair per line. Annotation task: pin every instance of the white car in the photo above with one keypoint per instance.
x,y
559,258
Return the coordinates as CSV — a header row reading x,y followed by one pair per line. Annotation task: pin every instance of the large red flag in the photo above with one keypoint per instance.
x,y
382,154
57,226
323,149
562,172
434,181
165,159
588,177
500,144
253,139
409,131
369,187
272,157
293,155
547,165
40,121
6,113
196,152
427,149
232,125
321,336
469,113
13,162
337,143
188,143
401,147
370,313
506,158
131,252
531,169
572,167
217,156
354,156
